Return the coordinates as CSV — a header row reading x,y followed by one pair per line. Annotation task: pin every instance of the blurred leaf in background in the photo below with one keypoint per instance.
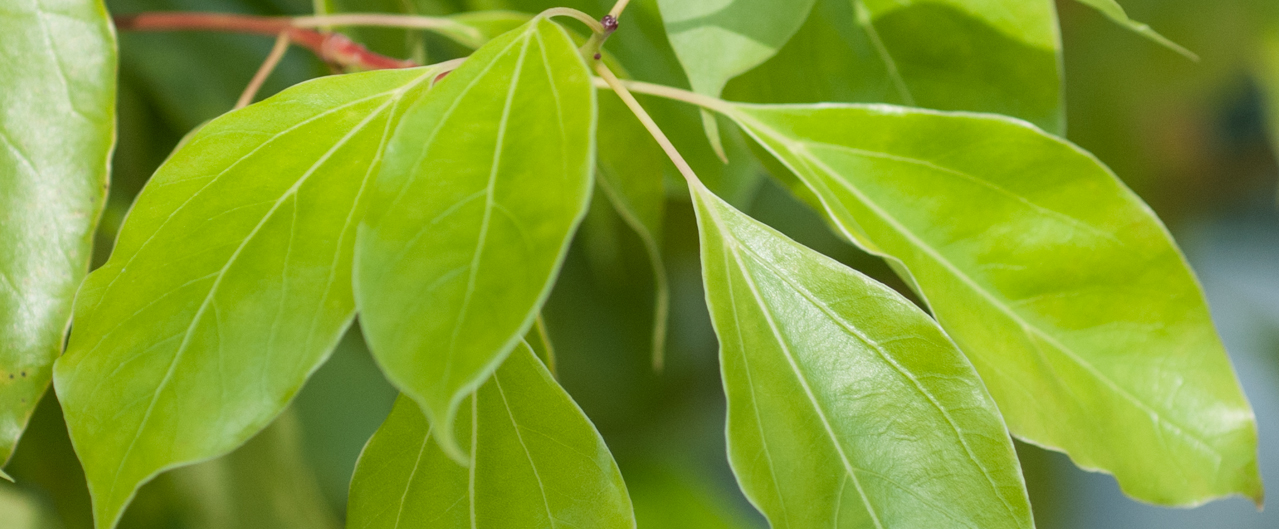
x,y
980,55
1267,72
26,510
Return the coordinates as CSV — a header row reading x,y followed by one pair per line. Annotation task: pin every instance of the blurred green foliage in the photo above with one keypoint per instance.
x,y
1190,138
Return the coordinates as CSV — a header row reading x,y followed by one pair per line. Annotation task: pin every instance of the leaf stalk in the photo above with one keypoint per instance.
x,y
620,88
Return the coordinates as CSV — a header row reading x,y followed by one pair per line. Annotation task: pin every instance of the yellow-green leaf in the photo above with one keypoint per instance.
x,y
229,283
1062,287
847,405
483,185
537,462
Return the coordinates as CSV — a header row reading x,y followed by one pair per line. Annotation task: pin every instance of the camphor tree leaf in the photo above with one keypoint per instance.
x,y
1065,291
999,56
631,166
57,128
229,283
847,405
1116,12
721,39
482,187
537,462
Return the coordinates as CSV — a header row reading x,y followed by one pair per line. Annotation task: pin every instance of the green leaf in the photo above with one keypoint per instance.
x,y
847,405
722,39
719,40
537,462
481,190
229,283
999,56
1116,12
1062,287
631,167
57,128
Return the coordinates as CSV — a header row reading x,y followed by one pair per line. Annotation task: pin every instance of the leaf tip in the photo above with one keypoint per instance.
x,y
444,421
712,135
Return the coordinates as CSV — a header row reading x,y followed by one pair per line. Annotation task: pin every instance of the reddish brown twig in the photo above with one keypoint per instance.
x,y
333,48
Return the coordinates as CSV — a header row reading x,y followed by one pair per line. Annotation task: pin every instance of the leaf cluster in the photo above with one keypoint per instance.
x,y
438,204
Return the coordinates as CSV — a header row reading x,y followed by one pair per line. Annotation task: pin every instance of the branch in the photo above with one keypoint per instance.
x,y
333,48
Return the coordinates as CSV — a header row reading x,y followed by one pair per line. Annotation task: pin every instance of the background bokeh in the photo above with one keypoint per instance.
x,y
1192,138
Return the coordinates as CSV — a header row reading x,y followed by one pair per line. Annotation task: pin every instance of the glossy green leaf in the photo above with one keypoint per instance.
x,y
229,283
537,462
472,213
57,127
847,405
1060,285
631,167
1116,12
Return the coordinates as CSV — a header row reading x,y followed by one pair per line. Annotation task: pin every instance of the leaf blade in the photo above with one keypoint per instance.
x,y
1064,290
231,247
794,325
719,41
1116,13
998,56
537,462
57,130
477,280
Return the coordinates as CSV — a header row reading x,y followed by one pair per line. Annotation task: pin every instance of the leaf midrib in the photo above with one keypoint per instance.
x,y
550,517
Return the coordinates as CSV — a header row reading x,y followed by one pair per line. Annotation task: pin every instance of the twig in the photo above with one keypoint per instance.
x,y
334,48
669,92
620,6
595,25
264,71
